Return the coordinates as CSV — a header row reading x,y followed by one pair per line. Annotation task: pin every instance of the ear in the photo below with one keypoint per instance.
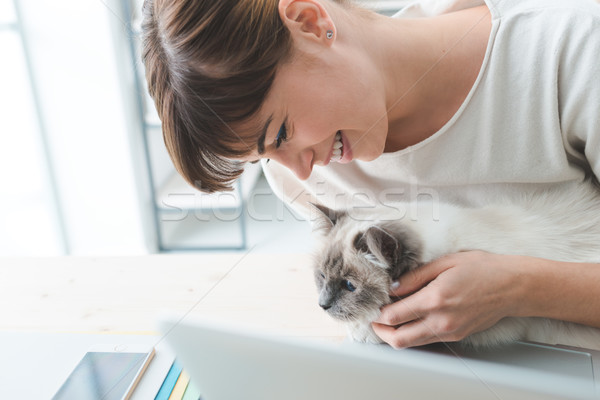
x,y
308,22
325,218
381,244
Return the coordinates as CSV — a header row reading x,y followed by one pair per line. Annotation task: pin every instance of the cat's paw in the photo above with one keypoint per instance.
x,y
363,333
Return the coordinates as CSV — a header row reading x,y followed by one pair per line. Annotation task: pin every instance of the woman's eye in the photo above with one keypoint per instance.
x,y
350,286
281,135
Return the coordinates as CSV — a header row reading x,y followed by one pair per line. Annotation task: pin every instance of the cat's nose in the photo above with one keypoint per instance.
x,y
325,306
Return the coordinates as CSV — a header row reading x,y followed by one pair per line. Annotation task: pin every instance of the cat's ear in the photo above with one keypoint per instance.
x,y
380,243
325,218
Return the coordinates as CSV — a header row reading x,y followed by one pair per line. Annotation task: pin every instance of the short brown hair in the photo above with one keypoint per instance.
x,y
209,66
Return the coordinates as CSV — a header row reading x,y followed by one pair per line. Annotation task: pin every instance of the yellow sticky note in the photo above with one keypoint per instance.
x,y
180,386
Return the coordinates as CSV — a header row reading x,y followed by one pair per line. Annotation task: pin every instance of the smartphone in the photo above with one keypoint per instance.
x,y
106,372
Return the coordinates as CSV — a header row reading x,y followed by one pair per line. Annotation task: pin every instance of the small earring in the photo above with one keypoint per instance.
x,y
329,34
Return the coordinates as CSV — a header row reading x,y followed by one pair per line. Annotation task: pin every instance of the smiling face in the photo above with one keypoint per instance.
x,y
316,102
328,88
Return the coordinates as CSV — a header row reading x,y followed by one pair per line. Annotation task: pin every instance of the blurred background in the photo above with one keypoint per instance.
x,y
83,169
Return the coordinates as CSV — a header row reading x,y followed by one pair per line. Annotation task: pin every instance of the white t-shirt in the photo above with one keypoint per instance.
x,y
532,118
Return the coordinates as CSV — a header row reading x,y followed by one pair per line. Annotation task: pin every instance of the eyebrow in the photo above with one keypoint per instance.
x,y
261,138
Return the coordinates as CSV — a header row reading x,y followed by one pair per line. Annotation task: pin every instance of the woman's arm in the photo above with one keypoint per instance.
x,y
567,291
468,292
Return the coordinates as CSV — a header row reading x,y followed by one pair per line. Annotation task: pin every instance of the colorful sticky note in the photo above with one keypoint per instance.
x,y
180,386
169,383
192,392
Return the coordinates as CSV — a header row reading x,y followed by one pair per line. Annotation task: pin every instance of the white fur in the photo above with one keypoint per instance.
x,y
373,260
562,225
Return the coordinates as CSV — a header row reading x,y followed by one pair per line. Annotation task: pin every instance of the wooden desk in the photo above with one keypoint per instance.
x,y
126,294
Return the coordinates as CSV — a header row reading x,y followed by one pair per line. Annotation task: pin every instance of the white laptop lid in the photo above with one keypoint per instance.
x,y
230,363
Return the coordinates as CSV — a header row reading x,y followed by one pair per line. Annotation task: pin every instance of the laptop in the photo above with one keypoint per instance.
x,y
229,362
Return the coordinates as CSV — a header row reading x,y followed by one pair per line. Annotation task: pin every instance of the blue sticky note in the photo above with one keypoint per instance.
x,y
169,383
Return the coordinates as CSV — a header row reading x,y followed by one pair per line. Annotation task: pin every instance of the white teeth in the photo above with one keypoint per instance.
x,y
337,148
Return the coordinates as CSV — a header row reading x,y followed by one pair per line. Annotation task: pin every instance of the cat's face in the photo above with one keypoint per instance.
x,y
350,287
358,261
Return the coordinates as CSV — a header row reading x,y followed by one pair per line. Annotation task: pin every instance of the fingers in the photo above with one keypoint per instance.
x,y
415,279
412,334
403,311
419,331
404,323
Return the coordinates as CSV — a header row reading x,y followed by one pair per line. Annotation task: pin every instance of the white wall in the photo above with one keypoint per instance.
x,y
28,223
90,124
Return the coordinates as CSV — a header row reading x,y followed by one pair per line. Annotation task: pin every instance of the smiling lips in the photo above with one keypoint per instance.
x,y
337,148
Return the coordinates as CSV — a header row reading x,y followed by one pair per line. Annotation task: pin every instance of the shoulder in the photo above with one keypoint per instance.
x,y
504,8
550,29
507,8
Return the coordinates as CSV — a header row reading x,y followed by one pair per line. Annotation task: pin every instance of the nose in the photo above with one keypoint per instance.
x,y
325,298
299,163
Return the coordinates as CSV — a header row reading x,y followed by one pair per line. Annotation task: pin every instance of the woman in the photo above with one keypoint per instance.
x,y
356,109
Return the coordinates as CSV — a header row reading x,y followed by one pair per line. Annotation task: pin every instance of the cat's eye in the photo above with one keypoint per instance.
x,y
350,286
322,275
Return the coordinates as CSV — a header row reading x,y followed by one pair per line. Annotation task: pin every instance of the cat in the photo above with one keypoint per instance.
x,y
364,251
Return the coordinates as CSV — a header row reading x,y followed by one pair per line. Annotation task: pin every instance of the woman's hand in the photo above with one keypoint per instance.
x,y
455,296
